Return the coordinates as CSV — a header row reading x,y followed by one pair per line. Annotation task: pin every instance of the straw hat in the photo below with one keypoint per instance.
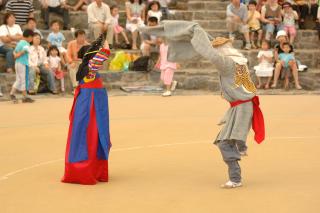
x,y
218,41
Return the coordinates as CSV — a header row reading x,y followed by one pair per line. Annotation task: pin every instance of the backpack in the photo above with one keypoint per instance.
x,y
143,63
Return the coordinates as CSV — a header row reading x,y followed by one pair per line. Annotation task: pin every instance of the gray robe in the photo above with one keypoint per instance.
x,y
187,40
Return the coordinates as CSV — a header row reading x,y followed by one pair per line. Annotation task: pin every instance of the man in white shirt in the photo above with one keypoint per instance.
x,y
99,19
55,6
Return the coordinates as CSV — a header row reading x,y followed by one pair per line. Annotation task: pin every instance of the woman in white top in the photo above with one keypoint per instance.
x,y
38,62
10,34
135,11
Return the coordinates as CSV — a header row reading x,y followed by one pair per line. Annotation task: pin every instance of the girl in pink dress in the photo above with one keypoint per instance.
x,y
117,28
167,69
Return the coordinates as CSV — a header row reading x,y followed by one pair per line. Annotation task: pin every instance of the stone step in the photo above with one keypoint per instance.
x,y
198,15
207,5
187,80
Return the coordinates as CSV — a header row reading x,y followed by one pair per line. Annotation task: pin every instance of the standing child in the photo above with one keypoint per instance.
x,y
167,69
56,38
285,58
154,10
289,18
21,54
55,64
117,28
265,67
254,25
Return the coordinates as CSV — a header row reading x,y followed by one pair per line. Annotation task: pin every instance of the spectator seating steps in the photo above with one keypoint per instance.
x,y
191,79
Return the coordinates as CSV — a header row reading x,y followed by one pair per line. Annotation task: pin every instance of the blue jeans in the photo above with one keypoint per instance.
x,y
8,52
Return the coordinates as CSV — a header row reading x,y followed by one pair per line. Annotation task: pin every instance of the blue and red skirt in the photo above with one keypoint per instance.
x,y
88,145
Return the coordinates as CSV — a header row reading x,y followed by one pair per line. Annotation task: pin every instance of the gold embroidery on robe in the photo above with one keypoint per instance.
x,y
242,78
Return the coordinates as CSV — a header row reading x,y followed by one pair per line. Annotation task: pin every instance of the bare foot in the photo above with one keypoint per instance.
x,y
267,86
134,47
273,86
259,86
9,70
298,87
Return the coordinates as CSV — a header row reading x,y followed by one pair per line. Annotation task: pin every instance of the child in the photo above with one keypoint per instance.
x,y
21,66
254,25
285,58
56,38
55,64
265,67
154,10
164,8
289,18
167,69
117,28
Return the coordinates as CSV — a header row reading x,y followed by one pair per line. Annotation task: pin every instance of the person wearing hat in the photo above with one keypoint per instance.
x,y
88,143
282,38
187,40
289,18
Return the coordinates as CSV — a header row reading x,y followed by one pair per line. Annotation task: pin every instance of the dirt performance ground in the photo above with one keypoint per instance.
x,y
162,159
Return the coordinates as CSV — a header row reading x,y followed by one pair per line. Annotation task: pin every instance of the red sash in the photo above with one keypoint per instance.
x,y
257,118
96,84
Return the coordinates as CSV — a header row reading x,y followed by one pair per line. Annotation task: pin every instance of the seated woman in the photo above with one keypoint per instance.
x,y
135,11
10,34
282,38
38,63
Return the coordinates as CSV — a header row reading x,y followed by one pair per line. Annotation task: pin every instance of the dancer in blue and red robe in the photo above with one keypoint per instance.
x,y
88,144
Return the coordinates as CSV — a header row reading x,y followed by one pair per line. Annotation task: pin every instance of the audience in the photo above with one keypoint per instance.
x,y
32,25
154,10
22,10
301,6
38,64
254,25
285,58
117,28
282,38
289,18
72,52
82,5
21,54
135,11
237,16
56,38
149,42
271,17
265,67
99,19
55,65
55,6
10,34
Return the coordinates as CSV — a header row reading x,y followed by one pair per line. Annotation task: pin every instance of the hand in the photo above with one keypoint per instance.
x,y
178,66
72,65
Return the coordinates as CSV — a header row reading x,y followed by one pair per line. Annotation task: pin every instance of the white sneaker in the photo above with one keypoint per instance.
x,y
231,185
1,95
166,94
174,85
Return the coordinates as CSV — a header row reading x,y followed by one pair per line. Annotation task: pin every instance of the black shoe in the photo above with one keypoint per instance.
x,y
13,99
27,100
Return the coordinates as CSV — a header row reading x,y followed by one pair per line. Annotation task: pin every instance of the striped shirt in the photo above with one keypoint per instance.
x,y
21,10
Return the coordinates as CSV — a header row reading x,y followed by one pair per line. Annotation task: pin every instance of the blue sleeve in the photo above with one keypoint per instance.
x,y
50,38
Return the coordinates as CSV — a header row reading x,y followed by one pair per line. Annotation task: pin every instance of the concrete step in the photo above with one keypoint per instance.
x,y
188,79
207,5
198,15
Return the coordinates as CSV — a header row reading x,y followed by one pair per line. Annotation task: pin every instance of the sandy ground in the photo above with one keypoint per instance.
x,y
162,158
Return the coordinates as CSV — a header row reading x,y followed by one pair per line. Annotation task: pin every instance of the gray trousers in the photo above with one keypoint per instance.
x,y
230,153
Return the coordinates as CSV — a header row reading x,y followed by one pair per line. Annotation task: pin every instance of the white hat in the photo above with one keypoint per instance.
x,y
281,33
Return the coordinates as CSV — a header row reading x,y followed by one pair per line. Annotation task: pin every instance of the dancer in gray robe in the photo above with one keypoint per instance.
x,y
187,41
